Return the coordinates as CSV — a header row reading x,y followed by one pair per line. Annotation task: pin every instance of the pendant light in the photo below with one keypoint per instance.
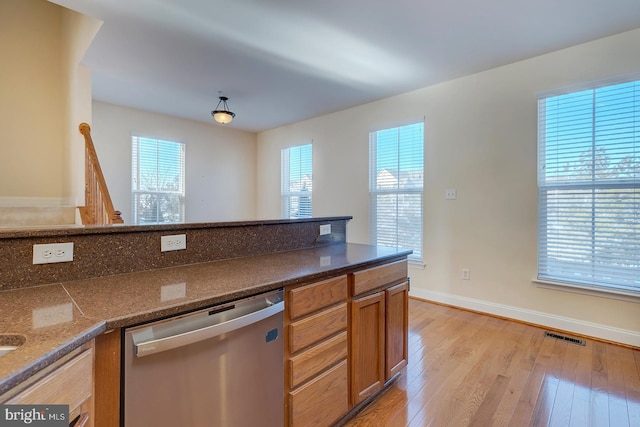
x,y
223,116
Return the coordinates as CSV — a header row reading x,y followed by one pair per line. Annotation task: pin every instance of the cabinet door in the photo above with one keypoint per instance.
x,y
367,346
70,384
321,401
396,326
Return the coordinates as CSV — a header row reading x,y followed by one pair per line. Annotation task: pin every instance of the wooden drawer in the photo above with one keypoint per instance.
x,y
71,384
317,327
316,359
309,298
376,277
321,401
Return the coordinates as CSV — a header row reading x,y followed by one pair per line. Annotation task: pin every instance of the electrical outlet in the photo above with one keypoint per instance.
x,y
52,253
466,274
450,194
175,242
325,229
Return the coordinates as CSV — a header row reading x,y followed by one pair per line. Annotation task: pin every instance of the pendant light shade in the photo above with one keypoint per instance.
x,y
223,116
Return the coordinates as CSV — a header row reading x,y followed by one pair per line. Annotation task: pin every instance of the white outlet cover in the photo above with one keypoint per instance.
x,y
175,242
450,194
52,253
325,229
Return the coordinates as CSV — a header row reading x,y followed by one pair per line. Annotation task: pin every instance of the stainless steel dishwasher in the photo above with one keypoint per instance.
x,y
219,367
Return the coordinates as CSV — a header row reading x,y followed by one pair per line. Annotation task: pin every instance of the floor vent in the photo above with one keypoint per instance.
x,y
565,338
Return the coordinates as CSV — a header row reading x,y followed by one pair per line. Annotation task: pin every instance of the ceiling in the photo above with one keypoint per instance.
x,y
282,61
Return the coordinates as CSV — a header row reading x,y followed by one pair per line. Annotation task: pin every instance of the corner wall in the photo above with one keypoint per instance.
x,y
480,138
78,31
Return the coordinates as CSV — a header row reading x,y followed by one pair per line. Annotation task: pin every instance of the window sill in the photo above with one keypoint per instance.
x,y
588,290
417,264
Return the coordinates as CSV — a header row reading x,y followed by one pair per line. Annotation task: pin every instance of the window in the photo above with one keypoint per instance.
x,y
296,181
396,164
157,181
589,188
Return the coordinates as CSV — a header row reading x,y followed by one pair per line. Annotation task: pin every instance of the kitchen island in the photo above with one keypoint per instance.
x,y
56,319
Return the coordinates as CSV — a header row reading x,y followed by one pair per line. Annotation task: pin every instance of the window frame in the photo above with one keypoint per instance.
x,y
600,189
136,192
287,195
416,258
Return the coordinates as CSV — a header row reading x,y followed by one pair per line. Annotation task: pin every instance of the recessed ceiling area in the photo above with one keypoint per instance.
x,y
282,61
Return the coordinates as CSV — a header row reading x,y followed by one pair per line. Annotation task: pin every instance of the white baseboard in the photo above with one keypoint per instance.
x,y
589,329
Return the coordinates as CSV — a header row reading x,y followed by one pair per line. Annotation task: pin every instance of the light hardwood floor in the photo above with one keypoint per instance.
x,y
467,369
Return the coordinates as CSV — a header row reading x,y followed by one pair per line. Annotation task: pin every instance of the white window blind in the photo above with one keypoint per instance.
x,y
396,165
157,180
589,188
297,181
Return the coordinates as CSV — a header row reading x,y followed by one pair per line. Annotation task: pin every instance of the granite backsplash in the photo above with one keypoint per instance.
x,y
110,250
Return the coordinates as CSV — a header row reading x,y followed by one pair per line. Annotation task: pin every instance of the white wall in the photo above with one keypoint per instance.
x,y
44,95
32,104
480,138
220,162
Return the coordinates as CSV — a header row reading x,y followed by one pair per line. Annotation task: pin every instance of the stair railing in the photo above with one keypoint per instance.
x,y
98,207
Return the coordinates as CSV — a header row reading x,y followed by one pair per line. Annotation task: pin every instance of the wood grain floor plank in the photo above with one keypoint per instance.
x,y
552,356
619,360
518,372
561,415
523,413
545,401
467,369
548,356
476,398
507,406
599,404
484,415
447,368
580,406
427,404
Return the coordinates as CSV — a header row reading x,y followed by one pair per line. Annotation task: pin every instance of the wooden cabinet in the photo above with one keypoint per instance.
x,y
71,384
321,401
316,367
379,327
396,328
107,379
367,346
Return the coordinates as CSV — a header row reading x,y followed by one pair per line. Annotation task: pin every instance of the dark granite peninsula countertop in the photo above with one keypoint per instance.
x,y
57,318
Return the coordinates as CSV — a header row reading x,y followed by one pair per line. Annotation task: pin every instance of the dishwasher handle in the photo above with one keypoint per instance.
x,y
180,340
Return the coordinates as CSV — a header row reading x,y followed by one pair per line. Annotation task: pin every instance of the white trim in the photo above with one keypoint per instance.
x,y
145,135
33,202
589,329
596,84
398,123
417,264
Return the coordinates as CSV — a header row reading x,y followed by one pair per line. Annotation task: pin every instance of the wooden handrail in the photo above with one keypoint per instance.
x,y
98,207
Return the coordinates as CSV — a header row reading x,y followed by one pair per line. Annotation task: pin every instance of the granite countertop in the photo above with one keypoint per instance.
x,y
57,318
